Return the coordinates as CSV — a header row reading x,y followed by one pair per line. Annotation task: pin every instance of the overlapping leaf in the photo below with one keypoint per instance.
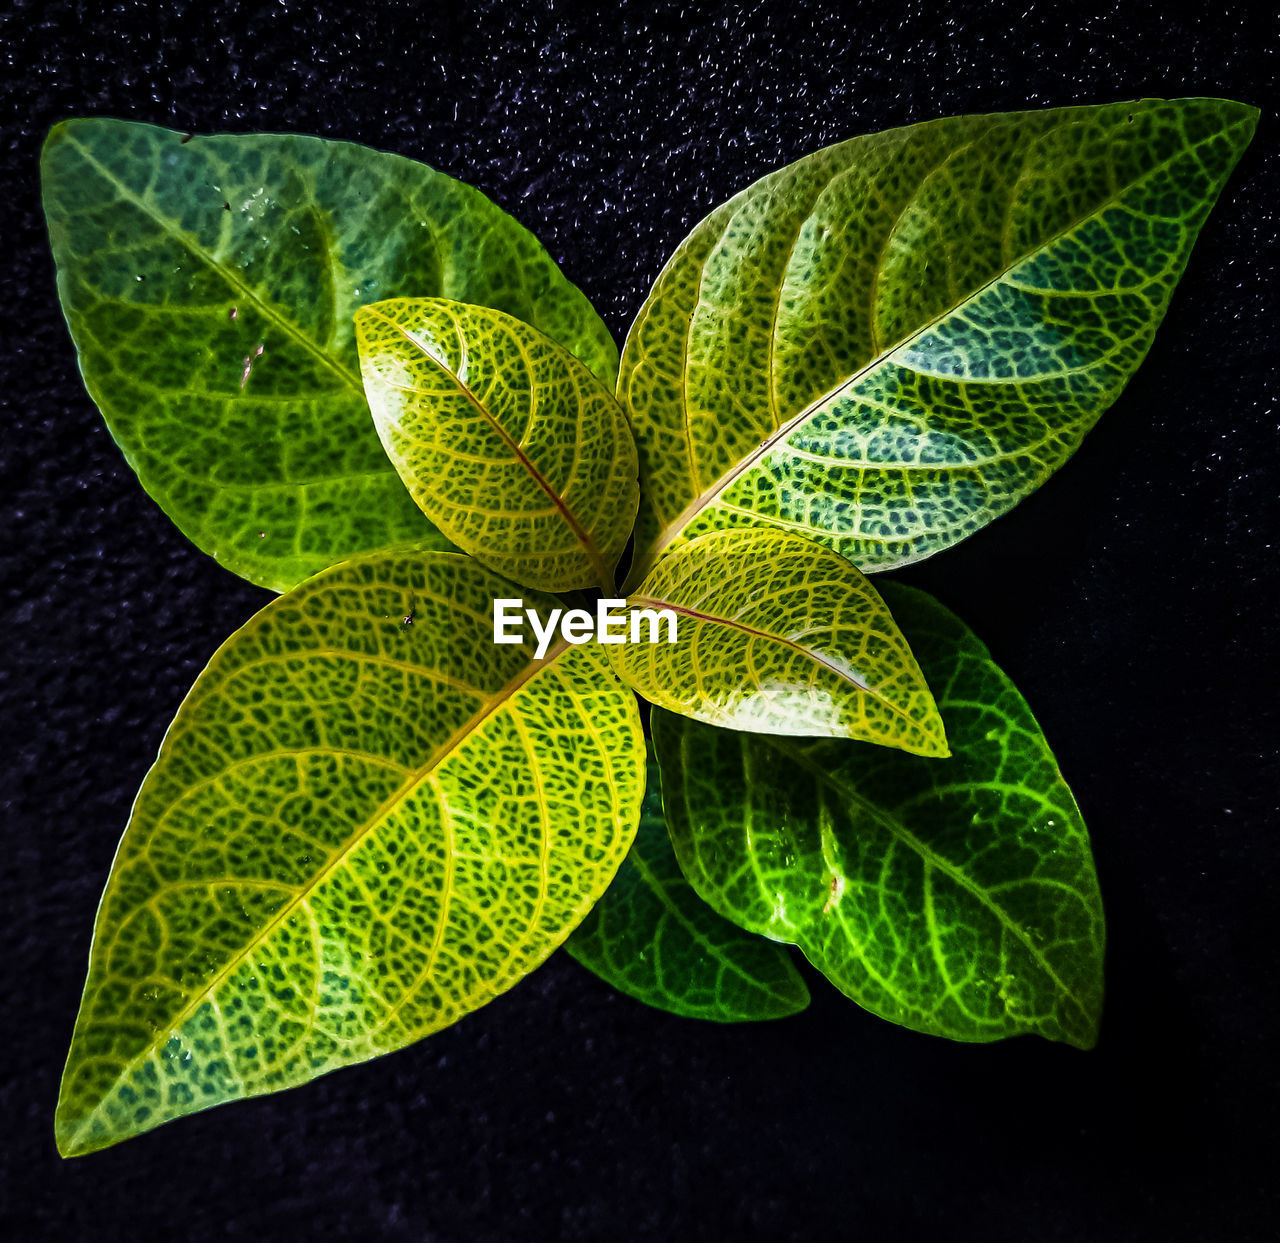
x,y
777,633
506,441
654,939
956,897
366,820
892,341
210,283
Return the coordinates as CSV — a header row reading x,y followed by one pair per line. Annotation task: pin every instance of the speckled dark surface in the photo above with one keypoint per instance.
x,y
1133,599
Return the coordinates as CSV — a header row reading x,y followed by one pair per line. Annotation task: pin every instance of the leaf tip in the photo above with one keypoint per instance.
x,y
76,1130
1244,115
1085,1039
58,131
933,744
69,1133
1235,120
798,999
53,140
1082,1028
69,127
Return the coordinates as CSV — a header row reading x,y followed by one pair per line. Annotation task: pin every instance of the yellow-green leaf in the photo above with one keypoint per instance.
x,y
505,440
366,820
776,634
209,284
890,342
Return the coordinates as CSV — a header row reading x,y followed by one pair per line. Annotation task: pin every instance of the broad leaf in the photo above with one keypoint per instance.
x,y
210,284
776,633
654,939
957,897
366,820
892,341
506,441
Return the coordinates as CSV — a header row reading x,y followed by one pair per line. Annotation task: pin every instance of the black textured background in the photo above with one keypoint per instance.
x,y
1132,599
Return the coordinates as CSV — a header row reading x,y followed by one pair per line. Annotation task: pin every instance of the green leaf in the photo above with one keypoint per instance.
x,y
956,897
506,441
654,939
210,284
366,820
894,340
777,634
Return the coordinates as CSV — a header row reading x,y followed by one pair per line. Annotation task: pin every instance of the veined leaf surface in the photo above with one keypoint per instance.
x,y
654,939
778,634
506,441
890,342
210,283
366,820
956,897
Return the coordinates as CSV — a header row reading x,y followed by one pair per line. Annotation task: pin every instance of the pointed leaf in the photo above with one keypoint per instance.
x,y
654,939
506,441
892,341
210,284
778,634
956,897
366,820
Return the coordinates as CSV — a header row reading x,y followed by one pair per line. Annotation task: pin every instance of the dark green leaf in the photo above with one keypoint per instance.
x,y
654,939
956,896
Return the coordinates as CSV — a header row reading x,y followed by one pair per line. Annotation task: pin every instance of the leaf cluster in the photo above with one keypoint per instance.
x,y
356,381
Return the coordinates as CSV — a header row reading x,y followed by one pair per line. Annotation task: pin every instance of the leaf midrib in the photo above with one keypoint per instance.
x,y
228,274
305,892
818,658
709,494
580,533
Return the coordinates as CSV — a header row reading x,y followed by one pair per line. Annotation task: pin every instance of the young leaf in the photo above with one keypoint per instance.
x,y
956,897
366,820
210,284
506,441
892,341
654,939
777,634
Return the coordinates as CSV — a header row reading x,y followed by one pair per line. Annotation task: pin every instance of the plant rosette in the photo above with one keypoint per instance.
x,y
410,778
